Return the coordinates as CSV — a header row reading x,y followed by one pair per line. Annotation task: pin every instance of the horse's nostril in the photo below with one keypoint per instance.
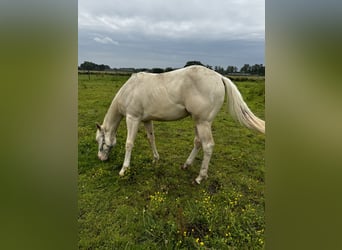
x,y
102,157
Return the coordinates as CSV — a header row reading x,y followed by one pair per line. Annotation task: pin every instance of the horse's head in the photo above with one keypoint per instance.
x,y
106,142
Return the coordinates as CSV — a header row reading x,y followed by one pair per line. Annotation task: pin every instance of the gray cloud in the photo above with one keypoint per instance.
x,y
180,28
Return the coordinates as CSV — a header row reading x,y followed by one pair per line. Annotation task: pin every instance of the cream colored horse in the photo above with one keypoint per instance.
x,y
192,91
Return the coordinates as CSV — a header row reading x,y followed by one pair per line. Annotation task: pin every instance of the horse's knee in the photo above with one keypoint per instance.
x,y
197,142
208,147
129,146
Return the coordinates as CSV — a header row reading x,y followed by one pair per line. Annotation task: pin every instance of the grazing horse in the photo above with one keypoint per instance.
x,y
193,91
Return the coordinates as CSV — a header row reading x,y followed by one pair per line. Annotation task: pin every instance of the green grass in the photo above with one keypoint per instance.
x,y
156,206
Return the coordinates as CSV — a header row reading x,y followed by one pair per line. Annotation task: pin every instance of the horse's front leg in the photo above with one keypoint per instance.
x,y
151,139
132,129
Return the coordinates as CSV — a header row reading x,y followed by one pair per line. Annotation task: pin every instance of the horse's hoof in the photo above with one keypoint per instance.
x,y
122,173
183,167
195,182
200,178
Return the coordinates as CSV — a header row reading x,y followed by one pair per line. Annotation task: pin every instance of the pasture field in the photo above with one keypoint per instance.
x,y
156,206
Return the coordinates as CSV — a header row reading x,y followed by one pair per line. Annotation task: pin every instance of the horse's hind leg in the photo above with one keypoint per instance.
x,y
197,147
132,129
205,135
151,139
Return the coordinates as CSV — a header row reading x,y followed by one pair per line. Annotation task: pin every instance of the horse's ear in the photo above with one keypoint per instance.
x,y
98,126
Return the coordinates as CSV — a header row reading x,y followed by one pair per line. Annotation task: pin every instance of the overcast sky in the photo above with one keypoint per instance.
x,y
168,33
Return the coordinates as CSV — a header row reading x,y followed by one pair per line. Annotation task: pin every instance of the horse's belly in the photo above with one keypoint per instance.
x,y
169,113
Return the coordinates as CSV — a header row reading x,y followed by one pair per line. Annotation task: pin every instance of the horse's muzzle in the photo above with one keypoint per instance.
x,y
102,157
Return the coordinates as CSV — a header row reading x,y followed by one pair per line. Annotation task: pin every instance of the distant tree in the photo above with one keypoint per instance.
x,y
157,70
168,69
262,70
103,67
246,69
256,69
231,69
189,63
87,65
219,69
93,66
142,70
208,66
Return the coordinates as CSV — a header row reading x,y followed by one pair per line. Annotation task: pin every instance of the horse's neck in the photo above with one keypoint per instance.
x,y
112,119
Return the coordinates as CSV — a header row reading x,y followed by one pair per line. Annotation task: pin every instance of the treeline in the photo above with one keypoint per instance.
x,y
256,69
246,69
93,66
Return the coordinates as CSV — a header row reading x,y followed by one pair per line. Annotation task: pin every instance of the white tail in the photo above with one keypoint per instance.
x,y
239,109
